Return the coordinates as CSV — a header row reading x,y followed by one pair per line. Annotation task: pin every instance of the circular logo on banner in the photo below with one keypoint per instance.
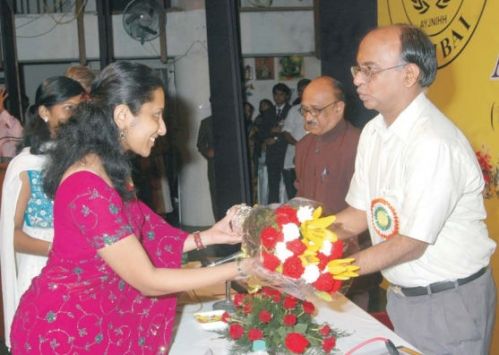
x,y
449,23
384,218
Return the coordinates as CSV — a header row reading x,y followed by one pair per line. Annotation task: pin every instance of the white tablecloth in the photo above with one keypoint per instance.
x,y
341,313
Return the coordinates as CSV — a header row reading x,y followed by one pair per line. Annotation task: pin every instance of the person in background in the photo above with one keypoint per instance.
x,y
250,129
300,86
248,111
112,276
82,74
26,224
325,160
293,130
11,130
275,141
206,147
418,188
261,128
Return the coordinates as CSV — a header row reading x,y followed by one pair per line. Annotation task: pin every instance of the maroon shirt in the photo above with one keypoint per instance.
x,y
325,166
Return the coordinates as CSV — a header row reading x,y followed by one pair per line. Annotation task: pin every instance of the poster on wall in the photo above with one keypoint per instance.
x,y
291,67
264,68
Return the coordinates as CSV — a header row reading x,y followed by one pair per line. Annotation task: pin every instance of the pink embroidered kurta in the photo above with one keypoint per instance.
x,y
78,304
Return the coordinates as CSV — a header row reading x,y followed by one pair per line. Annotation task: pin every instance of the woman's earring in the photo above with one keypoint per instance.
x,y
122,134
45,119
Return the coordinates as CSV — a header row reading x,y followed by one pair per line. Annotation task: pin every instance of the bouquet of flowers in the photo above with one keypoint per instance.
x,y
277,323
295,250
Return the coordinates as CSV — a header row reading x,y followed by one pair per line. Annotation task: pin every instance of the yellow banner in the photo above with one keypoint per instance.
x,y
466,38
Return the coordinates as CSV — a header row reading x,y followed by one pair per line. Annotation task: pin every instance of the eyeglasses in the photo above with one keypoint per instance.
x,y
369,73
315,112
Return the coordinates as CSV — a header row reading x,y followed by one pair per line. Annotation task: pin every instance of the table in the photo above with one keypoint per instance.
x,y
341,313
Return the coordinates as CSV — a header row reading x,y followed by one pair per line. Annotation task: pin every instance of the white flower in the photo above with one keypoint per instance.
x,y
290,231
326,248
311,273
304,213
282,252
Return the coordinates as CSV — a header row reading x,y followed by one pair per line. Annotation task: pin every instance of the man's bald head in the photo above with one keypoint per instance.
x,y
323,105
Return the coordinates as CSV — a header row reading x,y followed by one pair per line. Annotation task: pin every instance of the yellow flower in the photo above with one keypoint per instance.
x,y
309,257
341,269
315,230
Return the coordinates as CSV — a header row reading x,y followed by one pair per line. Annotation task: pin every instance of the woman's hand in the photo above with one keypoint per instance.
x,y
222,231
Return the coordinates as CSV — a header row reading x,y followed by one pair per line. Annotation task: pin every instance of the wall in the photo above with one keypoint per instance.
x,y
262,89
54,39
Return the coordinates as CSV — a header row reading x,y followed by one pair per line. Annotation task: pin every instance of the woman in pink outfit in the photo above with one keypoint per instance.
x,y
110,282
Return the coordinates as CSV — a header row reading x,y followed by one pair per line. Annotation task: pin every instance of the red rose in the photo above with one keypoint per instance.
x,y
296,343
293,267
255,334
276,298
336,250
236,331
289,320
272,293
270,237
247,308
238,299
225,317
296,246
286,214
325,330
328,344
265,316
336,285
323,260
324,283
308,307
270,261
290,302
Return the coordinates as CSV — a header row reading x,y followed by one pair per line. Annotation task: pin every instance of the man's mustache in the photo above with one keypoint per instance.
x,y
311,123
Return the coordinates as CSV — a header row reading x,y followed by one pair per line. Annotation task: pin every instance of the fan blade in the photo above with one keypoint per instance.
x,y
132,17
148,30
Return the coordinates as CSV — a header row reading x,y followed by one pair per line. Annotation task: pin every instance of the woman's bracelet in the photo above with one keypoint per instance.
x,y
198,241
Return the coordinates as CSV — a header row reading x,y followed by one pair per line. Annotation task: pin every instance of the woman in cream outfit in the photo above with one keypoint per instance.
x,y
26,213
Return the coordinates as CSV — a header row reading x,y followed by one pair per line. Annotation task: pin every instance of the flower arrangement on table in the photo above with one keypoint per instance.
x,y
295,249
277,323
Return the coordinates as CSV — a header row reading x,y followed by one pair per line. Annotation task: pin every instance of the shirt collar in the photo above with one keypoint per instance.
x,y
404,123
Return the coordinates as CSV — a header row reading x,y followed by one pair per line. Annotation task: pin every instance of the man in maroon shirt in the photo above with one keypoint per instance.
x,y
325,160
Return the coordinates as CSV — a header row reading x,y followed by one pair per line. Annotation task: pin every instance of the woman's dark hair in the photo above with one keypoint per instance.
x,y
266,101
92,128
52,91
281,87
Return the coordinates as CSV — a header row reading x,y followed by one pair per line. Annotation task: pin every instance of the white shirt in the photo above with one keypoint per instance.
x,y
295,125
420,178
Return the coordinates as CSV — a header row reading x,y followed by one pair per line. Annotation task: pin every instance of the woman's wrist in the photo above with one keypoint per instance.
x,y
198,240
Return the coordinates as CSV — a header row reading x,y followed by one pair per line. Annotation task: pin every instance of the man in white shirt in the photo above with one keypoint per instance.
x,y
418,188
293,130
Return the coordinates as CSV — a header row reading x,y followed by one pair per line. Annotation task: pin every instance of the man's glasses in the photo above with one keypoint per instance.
x,y
369,73
315,112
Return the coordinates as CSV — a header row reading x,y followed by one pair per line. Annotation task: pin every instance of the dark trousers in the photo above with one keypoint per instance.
x,y
289,176
274,179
